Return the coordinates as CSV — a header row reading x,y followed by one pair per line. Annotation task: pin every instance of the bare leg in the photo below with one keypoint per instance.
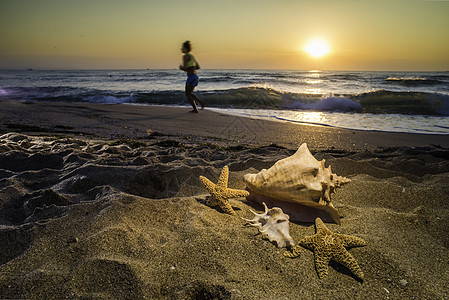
x,y
190,96
198,100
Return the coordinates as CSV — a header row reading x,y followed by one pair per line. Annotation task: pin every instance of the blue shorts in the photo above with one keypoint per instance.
x,y
192,79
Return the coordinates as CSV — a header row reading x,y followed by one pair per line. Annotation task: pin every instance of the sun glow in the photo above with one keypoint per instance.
x,y
317,48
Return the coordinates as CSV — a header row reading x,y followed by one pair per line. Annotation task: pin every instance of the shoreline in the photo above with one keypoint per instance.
x,y
133,121
289,119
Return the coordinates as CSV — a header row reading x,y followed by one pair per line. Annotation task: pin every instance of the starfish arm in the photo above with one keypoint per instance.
x,y
319,224
320,227
223,179
210,186
322,263
231,193
346,259
226,207
308,242
350,241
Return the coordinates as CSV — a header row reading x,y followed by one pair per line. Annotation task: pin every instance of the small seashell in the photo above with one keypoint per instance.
x,y
300,184
274,225
403,283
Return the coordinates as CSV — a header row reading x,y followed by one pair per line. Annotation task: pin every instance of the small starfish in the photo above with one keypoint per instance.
x,y
331,246
220,193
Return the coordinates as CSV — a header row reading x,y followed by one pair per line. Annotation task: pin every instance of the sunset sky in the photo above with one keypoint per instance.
x,y
409,35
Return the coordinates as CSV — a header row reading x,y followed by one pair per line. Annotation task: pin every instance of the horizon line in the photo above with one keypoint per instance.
x,y
246,69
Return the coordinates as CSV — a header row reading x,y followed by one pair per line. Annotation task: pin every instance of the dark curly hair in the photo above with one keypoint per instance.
x,y
187,45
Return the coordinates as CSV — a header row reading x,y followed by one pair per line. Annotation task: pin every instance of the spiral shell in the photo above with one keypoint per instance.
x,y
302,182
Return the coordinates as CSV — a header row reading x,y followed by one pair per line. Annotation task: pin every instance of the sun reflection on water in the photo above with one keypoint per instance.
x,y
314,78
313,81
311,117
314,74
313,91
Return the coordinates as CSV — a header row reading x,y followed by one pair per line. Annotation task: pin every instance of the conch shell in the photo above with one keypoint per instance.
x,y
273,224
300,184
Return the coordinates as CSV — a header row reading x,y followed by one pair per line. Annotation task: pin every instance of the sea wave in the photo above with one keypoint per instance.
x,y
414,81
410,103
376,102
335,104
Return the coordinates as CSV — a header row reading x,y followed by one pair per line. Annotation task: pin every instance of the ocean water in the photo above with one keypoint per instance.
x,y
415,102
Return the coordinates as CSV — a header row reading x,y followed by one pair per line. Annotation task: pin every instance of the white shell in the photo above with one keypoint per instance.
x,y
274,226
300,180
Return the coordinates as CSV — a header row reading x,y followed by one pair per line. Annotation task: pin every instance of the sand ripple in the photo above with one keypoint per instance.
x,y
114,219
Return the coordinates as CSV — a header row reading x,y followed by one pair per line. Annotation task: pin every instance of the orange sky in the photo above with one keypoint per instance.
x,y
137,34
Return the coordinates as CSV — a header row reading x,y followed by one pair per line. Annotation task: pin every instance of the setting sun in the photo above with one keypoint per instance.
x,y
317,48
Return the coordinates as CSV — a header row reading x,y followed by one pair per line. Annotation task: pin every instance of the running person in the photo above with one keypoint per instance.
x,y
190,65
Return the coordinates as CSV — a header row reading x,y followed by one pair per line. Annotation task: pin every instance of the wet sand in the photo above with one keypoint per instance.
x,y
104,201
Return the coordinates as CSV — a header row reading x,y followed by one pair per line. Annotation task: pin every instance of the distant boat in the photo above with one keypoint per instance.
x,y
30,69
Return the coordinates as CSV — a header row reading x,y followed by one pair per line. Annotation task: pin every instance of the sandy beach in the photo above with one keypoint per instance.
x,y
104,201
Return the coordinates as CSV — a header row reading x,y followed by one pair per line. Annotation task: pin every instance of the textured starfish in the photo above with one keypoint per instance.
x,y
329,246
220,193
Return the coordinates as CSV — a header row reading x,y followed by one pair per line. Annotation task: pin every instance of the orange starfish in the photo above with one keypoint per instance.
x,y
220,193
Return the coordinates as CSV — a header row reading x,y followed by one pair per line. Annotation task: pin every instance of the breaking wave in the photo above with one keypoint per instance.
x,y
377,102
